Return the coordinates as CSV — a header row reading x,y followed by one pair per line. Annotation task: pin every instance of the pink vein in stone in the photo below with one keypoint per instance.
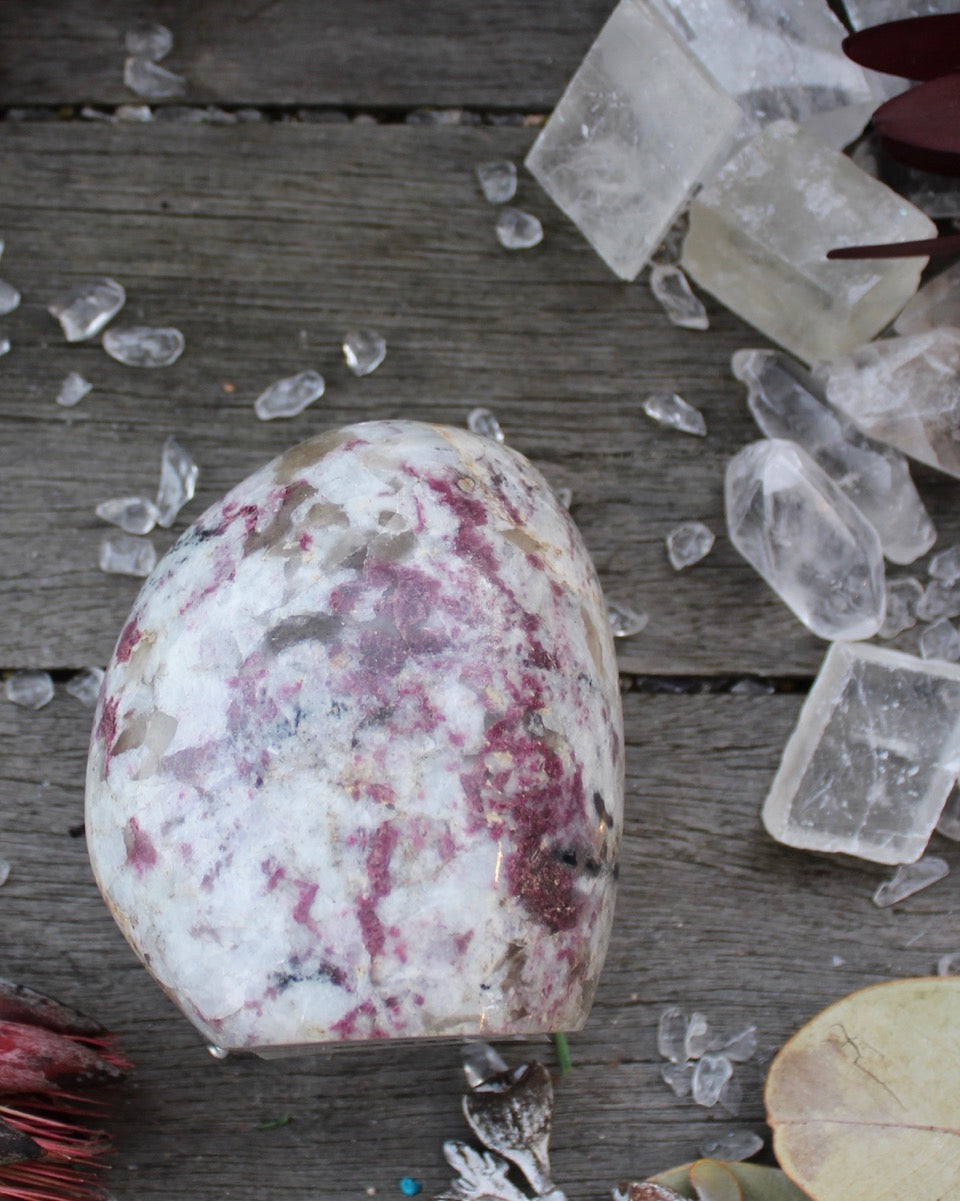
x,y
141,853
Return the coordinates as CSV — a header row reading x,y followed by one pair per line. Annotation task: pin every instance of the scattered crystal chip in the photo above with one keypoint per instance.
x,y
940,641
679,1076
30,689
144,345
672,1034
125,554
903,595
740,1046
672,290
4,871
624,621
290,396
85,309
9,298
733,1146
484,422
151,81
73,389
498,181
909,879
697,1036
148,40
709,1076
949,964
671,410
85,686
135,514
945,564
178,482
364,350
941,598
688,543
481,1062
4,344
517,230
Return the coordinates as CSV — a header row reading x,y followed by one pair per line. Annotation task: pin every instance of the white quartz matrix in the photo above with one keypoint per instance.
x,y
357,766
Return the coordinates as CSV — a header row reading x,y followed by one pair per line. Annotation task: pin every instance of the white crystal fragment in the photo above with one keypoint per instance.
x,y
709,1076
135,514
937,303
949,823
639,126
679,1076
814,548
290,396
151,81
564,496
697,1036
688,543
4,871
873,756
481,1062
731,1097
178,482
624,621
517,230
148,40
498,180
761,229
672,1034
9,298
125,554
133,114
672,290
484,423
30,689
787,402
733,1146
949,964
941,598
144,346
905,391
671,410
903,596
740,1046
910,878
4,345
945,564
364,350
217,1052
73,389
84,309
85,686
940,641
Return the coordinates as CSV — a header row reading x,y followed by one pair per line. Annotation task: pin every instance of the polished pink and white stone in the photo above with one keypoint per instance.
x,y
357,764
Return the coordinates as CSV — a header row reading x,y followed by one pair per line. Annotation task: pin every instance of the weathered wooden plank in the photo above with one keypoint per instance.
x,y
367,54
712,915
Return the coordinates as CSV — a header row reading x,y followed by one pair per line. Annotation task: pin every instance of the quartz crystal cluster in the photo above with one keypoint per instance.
x,y
357,766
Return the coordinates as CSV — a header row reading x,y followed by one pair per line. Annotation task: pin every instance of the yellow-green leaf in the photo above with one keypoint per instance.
x,y
864,1100
757,1182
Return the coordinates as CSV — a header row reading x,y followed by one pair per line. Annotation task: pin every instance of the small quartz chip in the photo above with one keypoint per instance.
x,y
151,81
937,303
4,345
733,1146
135,514
671,410
709,1077
810,543
910,878
4,871
624,621
945,564
874,754
148,40
672,1034
73,389
85,686
940,641
364,350
290,396
9,298
688,543
144,346
679,1076
760,231
903,595
178,482
672,290
498,181
639,126
85,309
133,114
481,1062
484,422
517,230
30,689
125,554
697,1036
740,1046
949,964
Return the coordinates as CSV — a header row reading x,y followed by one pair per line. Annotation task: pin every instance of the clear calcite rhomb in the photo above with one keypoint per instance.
x,y
357,765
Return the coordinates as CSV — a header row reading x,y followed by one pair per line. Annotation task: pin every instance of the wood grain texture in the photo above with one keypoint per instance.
x,y
500,55
264,244
712,915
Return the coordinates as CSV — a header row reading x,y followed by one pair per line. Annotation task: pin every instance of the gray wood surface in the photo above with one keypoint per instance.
x,y
712,915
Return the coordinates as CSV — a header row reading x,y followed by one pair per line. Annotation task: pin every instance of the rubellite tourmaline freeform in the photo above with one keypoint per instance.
x,y
357,765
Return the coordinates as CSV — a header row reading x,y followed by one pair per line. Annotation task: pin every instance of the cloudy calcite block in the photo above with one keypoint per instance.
x,y
905,391
640,125
760,232
357,765
873,757
807,539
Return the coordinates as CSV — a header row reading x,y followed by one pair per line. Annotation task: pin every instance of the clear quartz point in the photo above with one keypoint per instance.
x,y
949,823
30,689
498,181
709,1076
73,389
903,596
679,1076
517,230
364,350
733,1146
9,298
940,641
624,621
125,554
85,686
949,964
178,482
151,81
135,514
910,878
670,410
688,543
672,290
144,346
85,309
481,1062
672,1034
945,564
697,1036
148,40
290,396
484,422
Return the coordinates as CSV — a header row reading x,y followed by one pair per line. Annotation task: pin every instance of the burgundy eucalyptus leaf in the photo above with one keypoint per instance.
x,y
916,48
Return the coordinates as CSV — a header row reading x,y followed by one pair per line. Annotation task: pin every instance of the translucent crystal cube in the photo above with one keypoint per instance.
x,y
760,232
640,125
873,757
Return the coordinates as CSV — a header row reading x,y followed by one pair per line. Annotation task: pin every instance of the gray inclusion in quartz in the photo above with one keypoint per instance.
x,y
672,290
144,346
873,757
290,396
787,402
84,309
517,230
810,543
910,878
178,482
498,180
